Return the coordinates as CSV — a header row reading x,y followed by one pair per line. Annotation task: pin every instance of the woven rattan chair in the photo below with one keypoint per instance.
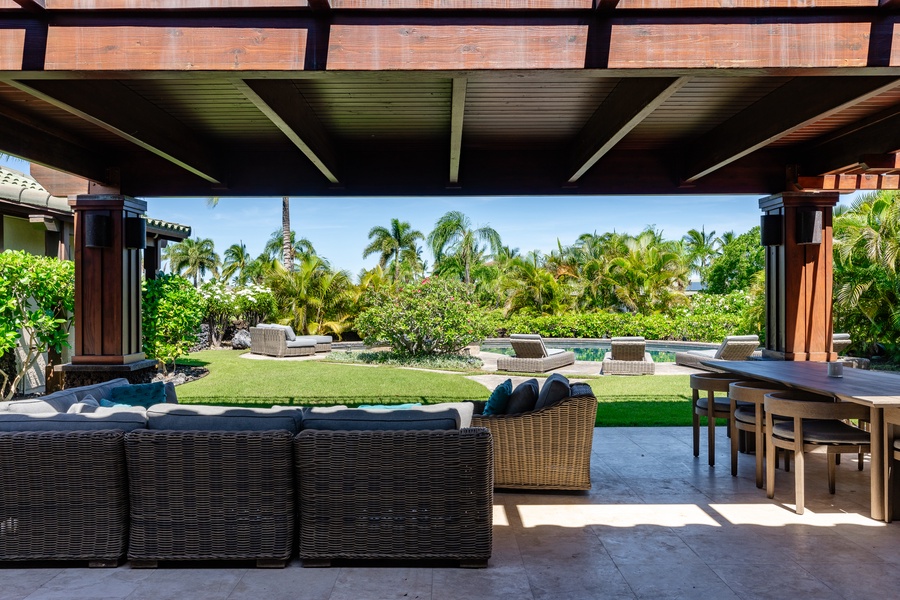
x,y
891,454
627,356
272,342
395,495
812,424
547,449
63,496
210,495
532,356
734,347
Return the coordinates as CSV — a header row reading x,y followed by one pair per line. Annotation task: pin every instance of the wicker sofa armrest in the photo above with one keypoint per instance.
x,y
549,448
395,495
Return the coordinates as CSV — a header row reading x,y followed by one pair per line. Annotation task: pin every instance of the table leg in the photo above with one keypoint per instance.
x,y
877,462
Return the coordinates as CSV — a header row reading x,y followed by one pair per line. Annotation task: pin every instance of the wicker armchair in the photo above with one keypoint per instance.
x,y
424,494
627,356
63,496
548,449
532,356
272,342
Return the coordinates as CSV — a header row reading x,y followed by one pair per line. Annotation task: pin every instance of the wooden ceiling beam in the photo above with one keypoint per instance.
x,y
35,5
879,134
849,182
285,106
35,145
457,112
114,108
632,101
880,163
797,103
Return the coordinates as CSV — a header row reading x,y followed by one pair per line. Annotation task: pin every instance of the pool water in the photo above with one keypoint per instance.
x,y
662,352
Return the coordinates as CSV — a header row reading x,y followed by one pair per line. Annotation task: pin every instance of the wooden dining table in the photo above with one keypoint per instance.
x,y
875,389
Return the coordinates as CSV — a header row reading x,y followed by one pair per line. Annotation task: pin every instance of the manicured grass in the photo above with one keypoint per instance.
x,y
233,380
646,401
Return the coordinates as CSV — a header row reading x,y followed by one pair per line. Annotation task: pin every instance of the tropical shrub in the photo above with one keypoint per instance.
x,y
220,307
737,266
255,304
37,301
172,312
435,316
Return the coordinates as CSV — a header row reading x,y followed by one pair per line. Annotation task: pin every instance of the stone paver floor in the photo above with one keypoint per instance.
x,y
658,524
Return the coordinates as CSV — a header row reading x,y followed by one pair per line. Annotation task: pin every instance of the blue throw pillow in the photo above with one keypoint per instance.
x,y
523,398
110,404
142,394
555,388
499,398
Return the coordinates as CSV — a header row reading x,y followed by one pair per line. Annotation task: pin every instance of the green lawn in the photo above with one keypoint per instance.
x,y
659,400
233,380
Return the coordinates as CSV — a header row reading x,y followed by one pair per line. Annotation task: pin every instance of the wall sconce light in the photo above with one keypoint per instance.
x,y
809,226
135,233
770,230
97,230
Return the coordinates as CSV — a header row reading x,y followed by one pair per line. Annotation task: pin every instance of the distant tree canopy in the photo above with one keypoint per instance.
x,y
736,267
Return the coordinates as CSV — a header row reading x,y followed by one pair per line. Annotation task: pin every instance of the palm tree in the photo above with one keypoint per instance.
x,y
274,247
295,291
237,260
193,257
701,249
287,246
394,244
453,236
651,277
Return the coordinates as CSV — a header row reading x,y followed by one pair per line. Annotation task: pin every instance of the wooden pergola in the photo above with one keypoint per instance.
x,y
793,100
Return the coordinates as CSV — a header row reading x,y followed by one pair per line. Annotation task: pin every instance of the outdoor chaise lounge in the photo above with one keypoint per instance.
x,y
532,356
280,341
735,347
628,356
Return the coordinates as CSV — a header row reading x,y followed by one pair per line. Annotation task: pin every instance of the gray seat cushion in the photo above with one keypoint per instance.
x,y
196,417
126,418
301,342
823,431
61,401
450,415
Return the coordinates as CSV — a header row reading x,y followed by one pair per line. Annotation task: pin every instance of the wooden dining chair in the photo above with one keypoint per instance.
x,y
891,453
750,419
811,423
711,406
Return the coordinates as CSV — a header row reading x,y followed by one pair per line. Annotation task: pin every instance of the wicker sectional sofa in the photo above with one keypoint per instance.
x,y
221,483
280,341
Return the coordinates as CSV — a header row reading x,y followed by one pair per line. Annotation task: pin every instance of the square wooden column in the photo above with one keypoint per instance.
x,y
107,280
799,261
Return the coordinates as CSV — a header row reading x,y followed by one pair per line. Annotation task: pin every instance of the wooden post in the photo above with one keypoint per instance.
x,y
107,281
799,276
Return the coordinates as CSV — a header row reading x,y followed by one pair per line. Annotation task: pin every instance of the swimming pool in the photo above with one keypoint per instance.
x,y
596,349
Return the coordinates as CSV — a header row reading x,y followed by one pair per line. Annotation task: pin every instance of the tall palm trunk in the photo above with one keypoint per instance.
x,y
287,248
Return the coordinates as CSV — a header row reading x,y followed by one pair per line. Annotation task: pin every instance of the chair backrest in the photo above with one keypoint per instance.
x,y
737,347
840,342
528,345
628,348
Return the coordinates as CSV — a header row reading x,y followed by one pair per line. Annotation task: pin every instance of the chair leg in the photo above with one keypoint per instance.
x,y
711,428
799,489
832,471
735,436
695,423
888,472
860,460
770,468
760,446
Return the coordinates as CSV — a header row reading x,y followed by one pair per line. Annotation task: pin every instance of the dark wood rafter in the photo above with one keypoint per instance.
x,y
880,163
848,182
799,102
879,134
113,107
457,112
283,104
37,145
320,4
33,5
629,103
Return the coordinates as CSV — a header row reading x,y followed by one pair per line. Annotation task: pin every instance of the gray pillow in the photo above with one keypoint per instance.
x,y
87,405
523,398
182,417
555,388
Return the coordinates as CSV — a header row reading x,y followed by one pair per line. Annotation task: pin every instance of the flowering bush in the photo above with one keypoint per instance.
x,y
37,300
255,304
172,313
436,316
220,307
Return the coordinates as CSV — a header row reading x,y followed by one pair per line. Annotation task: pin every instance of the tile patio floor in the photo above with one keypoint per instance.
x,y
658,524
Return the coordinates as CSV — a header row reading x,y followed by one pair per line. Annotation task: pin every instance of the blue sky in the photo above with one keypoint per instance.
x,y
338,227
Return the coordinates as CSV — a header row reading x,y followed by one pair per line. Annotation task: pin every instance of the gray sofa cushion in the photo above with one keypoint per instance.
x,y
197,417
555,388
450,415
124,418
61,401
301,342
289,334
